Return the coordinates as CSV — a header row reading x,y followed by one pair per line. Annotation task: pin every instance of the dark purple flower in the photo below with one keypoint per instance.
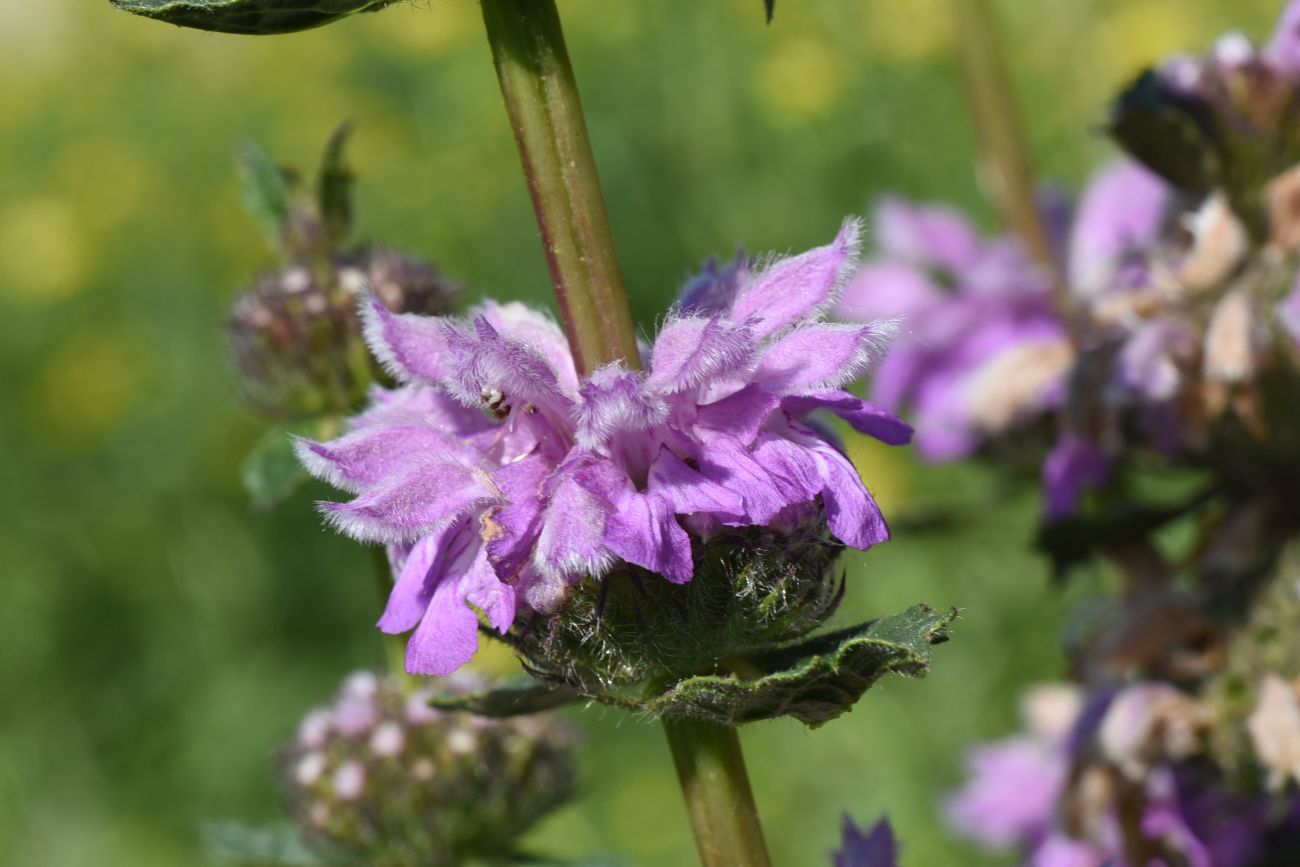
x,y
1074,466
562,477
876,848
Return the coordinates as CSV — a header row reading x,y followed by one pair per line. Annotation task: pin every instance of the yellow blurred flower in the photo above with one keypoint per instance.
x,y
907,30
42,250
84,390
801,77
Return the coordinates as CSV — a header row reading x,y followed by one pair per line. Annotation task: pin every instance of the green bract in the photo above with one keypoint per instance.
x,y
251,17
732,645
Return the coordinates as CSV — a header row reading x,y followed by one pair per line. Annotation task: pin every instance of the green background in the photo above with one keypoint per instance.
x,y
157,641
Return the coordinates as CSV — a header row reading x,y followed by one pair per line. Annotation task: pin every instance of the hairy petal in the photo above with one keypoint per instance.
x,y
737,416
615,401
791,290
539,333
489,594
643,530
447,637
863,416
689,491
511,530
571,544
426,497
692,349
409,346
731,465
822,356
420,573
851,511
488,363
796,472
365,457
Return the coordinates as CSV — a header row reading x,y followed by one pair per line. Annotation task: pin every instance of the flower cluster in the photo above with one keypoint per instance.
x,y
381,778
499,477
981,347
295,337
1116,778
294,334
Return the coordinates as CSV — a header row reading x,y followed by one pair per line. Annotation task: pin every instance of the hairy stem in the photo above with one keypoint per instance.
x,y
1006,164
715,785
541,98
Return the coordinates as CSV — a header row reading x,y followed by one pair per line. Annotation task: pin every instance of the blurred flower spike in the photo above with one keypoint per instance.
x,y
381,778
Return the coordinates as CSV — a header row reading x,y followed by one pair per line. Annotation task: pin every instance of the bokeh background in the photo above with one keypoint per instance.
x,y
157,640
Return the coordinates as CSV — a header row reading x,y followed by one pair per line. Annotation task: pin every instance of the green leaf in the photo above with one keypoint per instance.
x,y
814,681
769,7
232,844
250,17
272,472
518,699
334,188
266,192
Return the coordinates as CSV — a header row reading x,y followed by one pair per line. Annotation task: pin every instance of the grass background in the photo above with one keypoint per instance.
x,y
157,641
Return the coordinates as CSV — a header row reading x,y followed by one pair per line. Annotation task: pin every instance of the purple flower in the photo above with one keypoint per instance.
x,y
1075,465
1121,212
1014,783
981,346
876,848
1283,50
562,477
1063,769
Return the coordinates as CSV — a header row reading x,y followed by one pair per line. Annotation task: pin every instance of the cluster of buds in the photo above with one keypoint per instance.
x,y
1119,778
294,334
380,777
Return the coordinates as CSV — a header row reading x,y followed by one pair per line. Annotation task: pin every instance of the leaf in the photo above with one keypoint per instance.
x,y
769,6
524,697
814,681
272,472
249,17
232,844
265,188
334,188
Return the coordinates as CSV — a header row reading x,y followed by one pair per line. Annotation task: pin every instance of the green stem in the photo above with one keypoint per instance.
x,y
541,98
1006,164
715,785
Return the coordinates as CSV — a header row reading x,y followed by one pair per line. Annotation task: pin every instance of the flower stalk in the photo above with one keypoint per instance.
x,y
541,97
1006,164
714,782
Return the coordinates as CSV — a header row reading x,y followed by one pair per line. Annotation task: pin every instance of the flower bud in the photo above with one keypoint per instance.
x,y
294,334
634,634
416,790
